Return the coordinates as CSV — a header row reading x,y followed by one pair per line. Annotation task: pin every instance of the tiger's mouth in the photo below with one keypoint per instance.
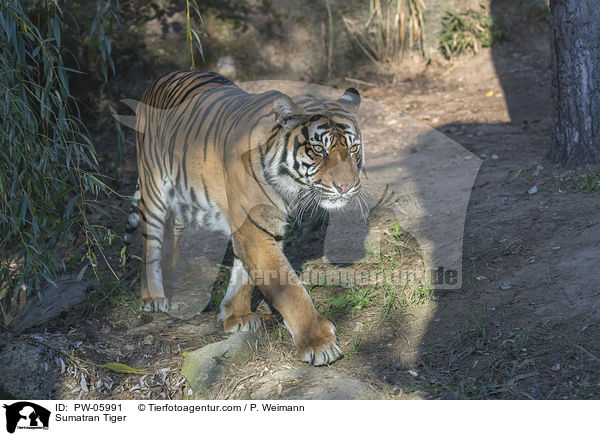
x,y
337,197
335,202
328,198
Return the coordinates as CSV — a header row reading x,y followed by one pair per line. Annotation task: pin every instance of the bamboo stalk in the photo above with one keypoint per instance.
x,y
392,27
189,31
330,39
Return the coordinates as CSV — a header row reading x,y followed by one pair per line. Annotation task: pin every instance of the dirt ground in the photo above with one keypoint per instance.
x,y
525,324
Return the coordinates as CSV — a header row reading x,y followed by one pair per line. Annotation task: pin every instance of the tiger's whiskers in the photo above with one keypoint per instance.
x,y
307,199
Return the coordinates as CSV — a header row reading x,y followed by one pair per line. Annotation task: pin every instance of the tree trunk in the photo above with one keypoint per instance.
x,y
575,46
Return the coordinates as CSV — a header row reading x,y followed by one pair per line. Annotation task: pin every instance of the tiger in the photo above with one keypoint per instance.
x,y
211,155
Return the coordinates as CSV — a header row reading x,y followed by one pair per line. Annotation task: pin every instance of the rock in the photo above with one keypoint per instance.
x,y
226,66
205,367
26,371
310,383
52,302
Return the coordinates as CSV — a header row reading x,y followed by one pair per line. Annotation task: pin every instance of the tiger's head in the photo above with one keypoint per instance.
x,y
321,153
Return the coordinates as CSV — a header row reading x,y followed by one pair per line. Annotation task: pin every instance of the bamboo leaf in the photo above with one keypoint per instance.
x,y
55,30
123,369
82,272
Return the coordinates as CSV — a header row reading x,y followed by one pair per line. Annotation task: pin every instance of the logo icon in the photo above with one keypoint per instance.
x,y
26,415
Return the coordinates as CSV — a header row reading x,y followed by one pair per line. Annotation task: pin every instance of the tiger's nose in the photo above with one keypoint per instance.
x,y
342,189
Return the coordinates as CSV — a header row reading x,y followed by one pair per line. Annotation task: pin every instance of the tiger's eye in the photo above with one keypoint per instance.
x,y
354,148
318,148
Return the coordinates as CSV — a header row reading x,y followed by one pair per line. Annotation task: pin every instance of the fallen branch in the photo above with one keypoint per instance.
x,y
361,82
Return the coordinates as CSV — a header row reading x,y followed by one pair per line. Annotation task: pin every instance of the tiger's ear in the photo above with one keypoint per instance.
x,y
288,113
350,100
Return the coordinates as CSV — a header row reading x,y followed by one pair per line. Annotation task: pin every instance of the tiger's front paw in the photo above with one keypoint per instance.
x,y
321,347
156,305
249,322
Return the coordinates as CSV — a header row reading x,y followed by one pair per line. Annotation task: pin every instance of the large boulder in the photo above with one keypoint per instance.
x,y
205,367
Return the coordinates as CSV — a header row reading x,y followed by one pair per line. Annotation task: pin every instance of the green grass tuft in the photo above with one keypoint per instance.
x,y
469,31
351,301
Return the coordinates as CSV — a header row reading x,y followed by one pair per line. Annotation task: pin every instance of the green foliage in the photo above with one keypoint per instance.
x,y
589,183
106,19
47,162
350,301
220,285
469,30
421,294
397,231
217,296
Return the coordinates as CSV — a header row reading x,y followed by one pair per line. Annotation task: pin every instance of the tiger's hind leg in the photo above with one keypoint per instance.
x,y
235,307
153,216
170,257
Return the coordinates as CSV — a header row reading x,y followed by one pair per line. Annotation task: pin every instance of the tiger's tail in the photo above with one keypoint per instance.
x,y
133,219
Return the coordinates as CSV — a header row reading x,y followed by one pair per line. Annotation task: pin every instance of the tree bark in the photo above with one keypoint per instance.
x,y
575,46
